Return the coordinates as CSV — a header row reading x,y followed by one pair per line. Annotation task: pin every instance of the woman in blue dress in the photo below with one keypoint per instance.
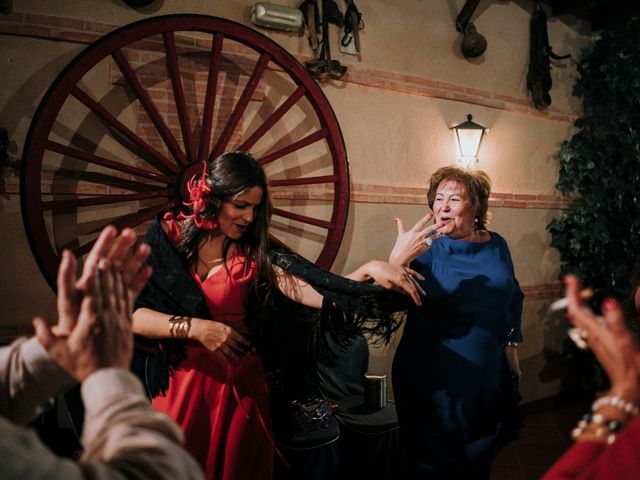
x,y
455,371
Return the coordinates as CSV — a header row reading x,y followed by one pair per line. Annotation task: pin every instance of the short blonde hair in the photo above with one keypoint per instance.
x,y
477,183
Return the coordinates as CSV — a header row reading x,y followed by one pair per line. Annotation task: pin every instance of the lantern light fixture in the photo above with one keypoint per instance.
x,y
469,135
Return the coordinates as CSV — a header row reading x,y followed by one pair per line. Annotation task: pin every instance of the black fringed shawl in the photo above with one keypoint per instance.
x,y
290,337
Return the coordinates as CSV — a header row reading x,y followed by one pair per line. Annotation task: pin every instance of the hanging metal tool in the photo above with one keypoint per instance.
x,y
311,15
323,67
350,41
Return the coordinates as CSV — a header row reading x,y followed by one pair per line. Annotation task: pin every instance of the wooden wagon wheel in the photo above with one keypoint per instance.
x,y
134,114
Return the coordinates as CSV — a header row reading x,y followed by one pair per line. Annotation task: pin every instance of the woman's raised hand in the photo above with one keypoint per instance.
x,y
411,243
613,344
220,337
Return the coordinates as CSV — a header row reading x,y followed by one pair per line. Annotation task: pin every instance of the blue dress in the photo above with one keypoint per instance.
x,y
457,401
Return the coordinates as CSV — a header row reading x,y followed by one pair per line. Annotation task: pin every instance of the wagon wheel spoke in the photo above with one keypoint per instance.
x,y
303,218
272,120
290,182
130,221
126,132
178,91
149,106
306,141
251,86
105,199
103,162
210,96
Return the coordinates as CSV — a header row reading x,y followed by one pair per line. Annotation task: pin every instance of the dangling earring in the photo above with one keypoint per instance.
x,y
205,223
475,223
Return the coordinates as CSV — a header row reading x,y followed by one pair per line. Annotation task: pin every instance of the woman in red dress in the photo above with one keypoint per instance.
x,y
217,391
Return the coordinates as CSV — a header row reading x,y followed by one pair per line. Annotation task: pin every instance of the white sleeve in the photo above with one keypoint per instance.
x,y
124,435
28,379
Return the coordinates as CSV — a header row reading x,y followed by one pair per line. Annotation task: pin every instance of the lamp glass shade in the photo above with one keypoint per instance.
x,y
469,135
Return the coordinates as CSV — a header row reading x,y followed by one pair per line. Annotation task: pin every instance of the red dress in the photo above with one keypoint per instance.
x,y
599,461
223,406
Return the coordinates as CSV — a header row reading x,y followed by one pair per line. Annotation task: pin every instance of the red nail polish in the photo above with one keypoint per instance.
x,y
609,304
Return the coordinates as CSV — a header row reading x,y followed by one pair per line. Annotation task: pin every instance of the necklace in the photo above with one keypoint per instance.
x,y
210,263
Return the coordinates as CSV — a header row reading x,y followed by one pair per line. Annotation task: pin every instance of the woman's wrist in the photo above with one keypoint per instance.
x,y
398,260
363,272
179,326
194,331
629,392
610,413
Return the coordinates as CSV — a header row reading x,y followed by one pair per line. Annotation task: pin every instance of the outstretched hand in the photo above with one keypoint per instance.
x,y
94,312
411,243
396,277
610,340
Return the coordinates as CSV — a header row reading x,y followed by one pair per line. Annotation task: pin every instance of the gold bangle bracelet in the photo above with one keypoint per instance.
x,y
179,326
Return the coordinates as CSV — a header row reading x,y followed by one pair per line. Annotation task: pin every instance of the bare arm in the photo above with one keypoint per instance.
x,y
393,277
216,336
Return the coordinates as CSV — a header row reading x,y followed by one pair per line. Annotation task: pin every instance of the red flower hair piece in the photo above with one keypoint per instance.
x,y
199,190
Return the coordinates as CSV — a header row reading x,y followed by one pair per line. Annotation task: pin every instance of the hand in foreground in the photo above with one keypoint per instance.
x,y
96,307
220,337
396,277
119,251
610,340
101,337
411,243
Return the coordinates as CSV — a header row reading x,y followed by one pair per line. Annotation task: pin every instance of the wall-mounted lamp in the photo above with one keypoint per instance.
x,y
469,135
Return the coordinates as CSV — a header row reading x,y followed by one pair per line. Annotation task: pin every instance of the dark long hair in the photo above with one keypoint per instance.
x,y
228,175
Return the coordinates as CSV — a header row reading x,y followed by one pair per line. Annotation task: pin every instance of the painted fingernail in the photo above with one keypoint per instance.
x,y
609,304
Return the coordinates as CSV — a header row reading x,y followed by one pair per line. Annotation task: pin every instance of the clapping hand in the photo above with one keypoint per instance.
x,y
94,312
